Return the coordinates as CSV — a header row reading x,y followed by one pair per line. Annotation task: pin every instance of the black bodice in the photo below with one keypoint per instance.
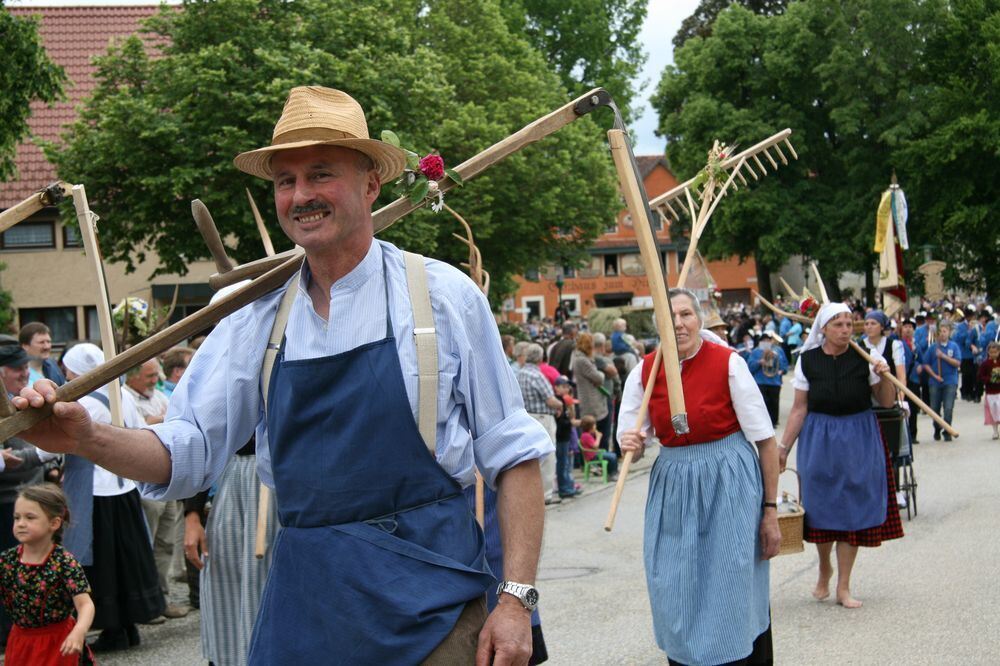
x,y
838,385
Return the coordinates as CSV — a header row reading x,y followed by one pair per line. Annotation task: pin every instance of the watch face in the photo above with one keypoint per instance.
x,y
531,597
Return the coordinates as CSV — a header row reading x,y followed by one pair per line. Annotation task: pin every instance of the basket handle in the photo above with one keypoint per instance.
x,y
797,478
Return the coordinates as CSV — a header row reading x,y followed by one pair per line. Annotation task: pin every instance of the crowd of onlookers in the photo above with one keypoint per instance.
x,y
571,376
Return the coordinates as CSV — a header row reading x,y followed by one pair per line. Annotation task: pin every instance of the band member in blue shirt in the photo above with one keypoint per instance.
x,y
941,363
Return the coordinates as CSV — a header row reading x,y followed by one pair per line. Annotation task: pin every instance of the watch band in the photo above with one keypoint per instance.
x,y
773,505
526,594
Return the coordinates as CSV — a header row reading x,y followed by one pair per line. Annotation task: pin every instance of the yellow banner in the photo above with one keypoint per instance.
x,y
883,220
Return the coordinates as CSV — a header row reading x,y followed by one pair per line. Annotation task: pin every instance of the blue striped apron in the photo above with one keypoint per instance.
x,y
708,587
378,552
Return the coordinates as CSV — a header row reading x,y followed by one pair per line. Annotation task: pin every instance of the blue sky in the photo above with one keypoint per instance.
x,y
663,19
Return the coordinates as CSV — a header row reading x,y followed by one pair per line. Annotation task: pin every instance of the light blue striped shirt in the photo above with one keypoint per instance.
x,y
481,421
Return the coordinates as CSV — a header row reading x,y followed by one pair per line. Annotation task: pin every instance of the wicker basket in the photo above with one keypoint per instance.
x,y
791,523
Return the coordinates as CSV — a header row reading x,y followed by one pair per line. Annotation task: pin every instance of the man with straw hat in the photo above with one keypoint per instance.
x,y
379,559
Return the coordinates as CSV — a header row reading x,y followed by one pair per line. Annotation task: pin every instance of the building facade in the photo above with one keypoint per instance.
x,y
47,273
615,275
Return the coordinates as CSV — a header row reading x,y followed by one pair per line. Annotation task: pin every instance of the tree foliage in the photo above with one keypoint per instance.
x,y
845,76
27,75
699,24
589,42
443,74
952,162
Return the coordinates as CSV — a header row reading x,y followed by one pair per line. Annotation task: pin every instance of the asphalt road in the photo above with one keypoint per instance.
x,y
929,598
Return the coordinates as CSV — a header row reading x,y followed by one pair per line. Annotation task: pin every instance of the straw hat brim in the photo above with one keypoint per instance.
x,y
389,160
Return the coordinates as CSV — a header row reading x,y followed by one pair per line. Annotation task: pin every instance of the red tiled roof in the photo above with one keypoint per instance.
x,y
72,36
646,163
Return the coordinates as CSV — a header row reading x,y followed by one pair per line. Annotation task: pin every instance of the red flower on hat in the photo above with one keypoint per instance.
x,y
809,307
432,166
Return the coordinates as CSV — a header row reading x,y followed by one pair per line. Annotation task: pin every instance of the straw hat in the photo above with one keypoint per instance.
x,y
713,321
317,116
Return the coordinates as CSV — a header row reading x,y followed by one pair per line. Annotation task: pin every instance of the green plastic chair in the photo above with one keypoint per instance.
x,y
593,466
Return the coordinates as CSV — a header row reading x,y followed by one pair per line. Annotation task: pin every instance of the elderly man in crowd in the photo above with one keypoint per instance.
x,y
36,340
379,559
541,403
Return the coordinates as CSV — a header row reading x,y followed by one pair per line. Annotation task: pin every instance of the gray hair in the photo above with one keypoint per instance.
x,y
535,353
521,348
679,291
600,339
676,291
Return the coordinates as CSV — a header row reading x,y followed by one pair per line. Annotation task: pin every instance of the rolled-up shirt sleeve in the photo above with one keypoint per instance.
x,y
213,411
503,433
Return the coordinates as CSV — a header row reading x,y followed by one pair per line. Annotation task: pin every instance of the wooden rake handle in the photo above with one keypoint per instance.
x,y
640,419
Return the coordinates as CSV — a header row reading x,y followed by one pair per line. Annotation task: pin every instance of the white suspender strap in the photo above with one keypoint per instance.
x,y
425,338
277,333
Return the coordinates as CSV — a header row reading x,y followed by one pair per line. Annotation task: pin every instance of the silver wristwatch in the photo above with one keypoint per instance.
x,y
526,594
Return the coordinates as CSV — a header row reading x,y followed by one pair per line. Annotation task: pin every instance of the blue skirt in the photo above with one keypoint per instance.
x,y
708,587
841,462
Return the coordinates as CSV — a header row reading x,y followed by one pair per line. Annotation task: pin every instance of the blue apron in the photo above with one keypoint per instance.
x,y
378,552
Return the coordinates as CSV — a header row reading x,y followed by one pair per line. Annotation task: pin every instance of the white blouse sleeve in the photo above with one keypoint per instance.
x,y
631,401
799,381
748,401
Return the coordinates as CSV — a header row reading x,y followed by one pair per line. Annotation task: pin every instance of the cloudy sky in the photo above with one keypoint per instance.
x,y
662,21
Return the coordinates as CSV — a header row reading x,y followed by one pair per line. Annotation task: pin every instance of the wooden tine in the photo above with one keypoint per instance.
x,y
791,149
206,225
777,148
769,158
760,165
261,227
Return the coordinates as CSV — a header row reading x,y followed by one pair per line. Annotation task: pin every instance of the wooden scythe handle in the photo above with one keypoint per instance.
x,y
206,225
887,375
654,273
153,346
667,351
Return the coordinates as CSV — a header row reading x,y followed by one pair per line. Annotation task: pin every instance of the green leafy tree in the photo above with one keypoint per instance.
x,y
699,24
950,166
27,75
589,42
840,74
446,75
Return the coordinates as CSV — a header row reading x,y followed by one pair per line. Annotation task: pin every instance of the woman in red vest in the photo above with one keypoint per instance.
x,y
711,517
847,486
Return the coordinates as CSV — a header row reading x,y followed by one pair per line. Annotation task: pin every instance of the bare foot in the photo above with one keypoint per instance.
x,y
847,601
822,590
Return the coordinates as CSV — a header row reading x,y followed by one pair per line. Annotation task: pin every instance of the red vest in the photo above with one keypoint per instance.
x,y
710,412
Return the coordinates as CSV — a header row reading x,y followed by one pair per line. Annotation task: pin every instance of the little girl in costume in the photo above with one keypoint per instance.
x,y
41,583
989,377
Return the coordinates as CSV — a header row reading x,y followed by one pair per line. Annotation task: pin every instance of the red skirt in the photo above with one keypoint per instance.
x,y
39,646
871,537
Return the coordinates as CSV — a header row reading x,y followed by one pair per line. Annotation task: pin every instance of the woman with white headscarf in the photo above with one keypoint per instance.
x,y
108,535
711,514
843,462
